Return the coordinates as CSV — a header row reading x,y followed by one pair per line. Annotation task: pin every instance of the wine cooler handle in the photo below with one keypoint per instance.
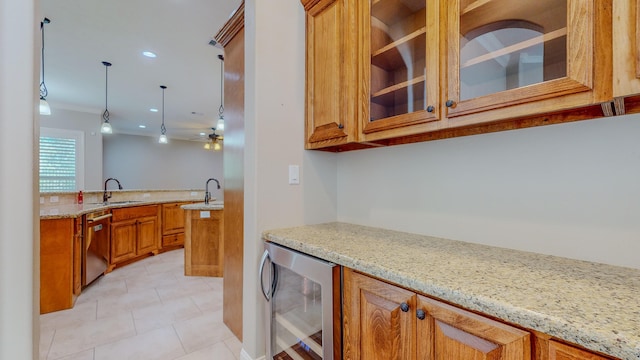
x,y
266,294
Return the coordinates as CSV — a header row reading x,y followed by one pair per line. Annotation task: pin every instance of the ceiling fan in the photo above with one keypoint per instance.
x,y
214,142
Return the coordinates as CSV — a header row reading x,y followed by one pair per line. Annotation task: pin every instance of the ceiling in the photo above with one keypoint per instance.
x,y
83,33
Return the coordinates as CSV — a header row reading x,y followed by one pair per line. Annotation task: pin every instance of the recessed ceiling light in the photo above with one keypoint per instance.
x,y
202,134
142,126
149,54
153,110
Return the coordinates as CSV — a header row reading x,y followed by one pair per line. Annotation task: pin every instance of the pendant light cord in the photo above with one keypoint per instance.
x,y
163,129
43,88
221,109
105,114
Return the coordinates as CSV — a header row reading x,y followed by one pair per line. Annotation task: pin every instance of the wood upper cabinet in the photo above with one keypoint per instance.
x,y
507,59
331,73
400,86
383,321
626,49
428,69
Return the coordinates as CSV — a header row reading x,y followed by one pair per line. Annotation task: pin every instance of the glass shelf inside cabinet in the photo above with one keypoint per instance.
x,y
398,52
505,46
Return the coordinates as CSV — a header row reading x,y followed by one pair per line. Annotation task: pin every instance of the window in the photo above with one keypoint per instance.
x,y
61,160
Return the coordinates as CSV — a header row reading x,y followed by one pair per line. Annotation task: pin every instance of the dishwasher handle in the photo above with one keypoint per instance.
x,y
98,218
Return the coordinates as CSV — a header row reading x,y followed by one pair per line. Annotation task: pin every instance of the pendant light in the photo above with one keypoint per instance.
x,y
44,105
163,130
220,124
106,126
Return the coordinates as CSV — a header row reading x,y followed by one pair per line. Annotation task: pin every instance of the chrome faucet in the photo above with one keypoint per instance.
x,y
207,194
105,196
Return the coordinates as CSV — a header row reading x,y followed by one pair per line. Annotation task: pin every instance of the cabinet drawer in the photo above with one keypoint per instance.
x,y
134,212
173,239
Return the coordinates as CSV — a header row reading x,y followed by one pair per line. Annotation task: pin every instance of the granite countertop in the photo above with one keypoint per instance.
x,y
212,205
77,210
593,305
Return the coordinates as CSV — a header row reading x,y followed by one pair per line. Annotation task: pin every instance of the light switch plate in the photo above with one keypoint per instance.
x,y
294,175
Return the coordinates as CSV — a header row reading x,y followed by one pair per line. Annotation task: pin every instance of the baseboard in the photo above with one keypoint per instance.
x,y
245,356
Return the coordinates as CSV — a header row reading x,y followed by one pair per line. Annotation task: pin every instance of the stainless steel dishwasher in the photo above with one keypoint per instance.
x,y
95,248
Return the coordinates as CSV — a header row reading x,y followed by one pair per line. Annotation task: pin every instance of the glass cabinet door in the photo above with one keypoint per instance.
x,y
400,78
506,52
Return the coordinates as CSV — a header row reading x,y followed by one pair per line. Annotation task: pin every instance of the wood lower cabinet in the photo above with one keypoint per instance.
x,y
204,243
134,232
384,321
447,332
60,245
172,225
560,351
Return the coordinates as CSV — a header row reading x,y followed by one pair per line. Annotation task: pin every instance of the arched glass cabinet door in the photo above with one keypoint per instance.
x,y
503,53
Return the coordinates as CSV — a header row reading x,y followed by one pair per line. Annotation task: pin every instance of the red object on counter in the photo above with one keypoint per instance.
x,y
80,197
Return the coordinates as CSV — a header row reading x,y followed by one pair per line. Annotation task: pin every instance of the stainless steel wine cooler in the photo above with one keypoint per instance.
x,y
303,303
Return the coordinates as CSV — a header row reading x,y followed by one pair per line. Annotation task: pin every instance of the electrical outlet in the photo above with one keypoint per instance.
x,y
41,199
194,193
53,199
146,195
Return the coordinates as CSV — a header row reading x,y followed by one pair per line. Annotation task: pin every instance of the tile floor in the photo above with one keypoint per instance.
x,y
147,310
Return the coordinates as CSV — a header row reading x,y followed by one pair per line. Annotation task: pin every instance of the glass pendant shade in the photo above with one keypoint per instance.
x,y
44,107
163,139
216,146
207,146
106,128
220,124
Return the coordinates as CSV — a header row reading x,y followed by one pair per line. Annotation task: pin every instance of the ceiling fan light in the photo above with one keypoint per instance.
x,y
216,146
106,128
207,146
44,107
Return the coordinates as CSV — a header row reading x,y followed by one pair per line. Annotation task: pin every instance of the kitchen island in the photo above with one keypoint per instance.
x,y
592,305
204,243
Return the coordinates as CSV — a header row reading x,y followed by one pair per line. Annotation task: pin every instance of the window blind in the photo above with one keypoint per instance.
x,y
57,164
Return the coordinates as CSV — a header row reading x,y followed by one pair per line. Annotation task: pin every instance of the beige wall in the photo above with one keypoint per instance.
x,y
140,162
89,124
571,190
274,133
19,280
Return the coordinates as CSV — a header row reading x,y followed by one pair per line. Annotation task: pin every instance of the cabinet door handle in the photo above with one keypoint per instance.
x,y
430,108
404,307
450,103
420,314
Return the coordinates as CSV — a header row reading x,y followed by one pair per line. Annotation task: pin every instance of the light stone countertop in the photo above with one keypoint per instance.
x,y
593,305
66,206
212,205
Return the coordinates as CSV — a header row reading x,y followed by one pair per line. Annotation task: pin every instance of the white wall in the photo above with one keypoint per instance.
x,y
571,190
19,245
140,162
89,124
274,125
